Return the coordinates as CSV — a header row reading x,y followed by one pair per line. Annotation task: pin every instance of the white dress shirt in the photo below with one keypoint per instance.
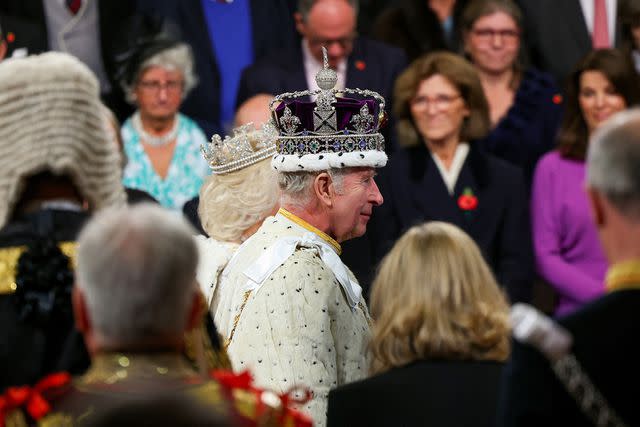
x,y
450,176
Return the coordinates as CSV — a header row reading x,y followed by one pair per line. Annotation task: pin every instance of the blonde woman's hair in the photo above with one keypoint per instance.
x,y
434,297
233,202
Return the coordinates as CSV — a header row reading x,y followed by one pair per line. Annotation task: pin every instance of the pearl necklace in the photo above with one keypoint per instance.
x,y
152,139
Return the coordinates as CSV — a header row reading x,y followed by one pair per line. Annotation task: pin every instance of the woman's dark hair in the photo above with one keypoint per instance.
x,y
629,14
617,67
477,9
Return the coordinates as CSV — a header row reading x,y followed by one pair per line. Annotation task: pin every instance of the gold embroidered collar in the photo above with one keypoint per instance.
x,y
623,275
114,367
304,224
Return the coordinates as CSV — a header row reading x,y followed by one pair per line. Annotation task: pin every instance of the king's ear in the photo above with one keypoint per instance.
x,y
323,189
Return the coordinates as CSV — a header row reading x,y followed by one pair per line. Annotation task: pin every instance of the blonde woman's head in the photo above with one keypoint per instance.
x,y
435,298
233,203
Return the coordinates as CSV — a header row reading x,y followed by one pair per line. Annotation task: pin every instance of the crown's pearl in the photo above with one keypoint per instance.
x,y
326,79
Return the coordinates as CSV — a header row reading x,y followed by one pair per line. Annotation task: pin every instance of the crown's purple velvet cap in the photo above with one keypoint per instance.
x,y
345,109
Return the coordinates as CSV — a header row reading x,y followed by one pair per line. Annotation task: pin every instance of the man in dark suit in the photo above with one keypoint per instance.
x,y
604,332
359,62
97,32
559,33
225,37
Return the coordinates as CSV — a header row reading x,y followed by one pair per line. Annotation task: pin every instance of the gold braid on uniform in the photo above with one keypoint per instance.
x,y
236,319
199,349
623,275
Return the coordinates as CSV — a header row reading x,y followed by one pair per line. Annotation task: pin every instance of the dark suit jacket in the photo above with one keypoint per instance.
x,y
424,393
118,19
272,30
606,344
556,35
414,192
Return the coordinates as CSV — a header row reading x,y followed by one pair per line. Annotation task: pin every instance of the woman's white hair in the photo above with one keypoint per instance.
x,y
178,58
233,202
136,269
296,186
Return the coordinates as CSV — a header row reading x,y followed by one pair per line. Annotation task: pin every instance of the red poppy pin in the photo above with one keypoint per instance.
x,y
11,37
557,99
467,201
360,65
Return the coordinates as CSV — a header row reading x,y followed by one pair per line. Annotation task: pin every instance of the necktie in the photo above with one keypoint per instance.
x,y
600,35
74,5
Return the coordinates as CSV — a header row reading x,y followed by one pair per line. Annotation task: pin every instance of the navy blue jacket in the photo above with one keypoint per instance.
x,y
529,128
424,393
414,192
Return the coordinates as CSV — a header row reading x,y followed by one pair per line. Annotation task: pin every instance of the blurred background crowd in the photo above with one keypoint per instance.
x,y
491,106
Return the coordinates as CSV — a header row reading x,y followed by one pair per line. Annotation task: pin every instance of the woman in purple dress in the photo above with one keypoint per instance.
x,y
567,250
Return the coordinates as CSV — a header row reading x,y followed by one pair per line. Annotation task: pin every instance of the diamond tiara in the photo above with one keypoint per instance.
x,y
246,147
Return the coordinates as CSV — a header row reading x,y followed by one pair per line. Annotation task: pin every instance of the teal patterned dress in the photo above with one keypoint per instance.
x,y
186,172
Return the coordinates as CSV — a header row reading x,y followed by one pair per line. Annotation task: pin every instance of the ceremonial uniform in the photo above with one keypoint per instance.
x,y
31,344
292,322
118,378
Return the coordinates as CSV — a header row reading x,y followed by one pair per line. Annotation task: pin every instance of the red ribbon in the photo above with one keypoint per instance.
x,y
31,397
291,416
229,379
244,381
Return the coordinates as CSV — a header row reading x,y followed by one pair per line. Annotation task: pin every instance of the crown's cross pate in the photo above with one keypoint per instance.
x,y
324,114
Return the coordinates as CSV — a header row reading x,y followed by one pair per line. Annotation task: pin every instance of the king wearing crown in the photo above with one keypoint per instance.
x,y
295,315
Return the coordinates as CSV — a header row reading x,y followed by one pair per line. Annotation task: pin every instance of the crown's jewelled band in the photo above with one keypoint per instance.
x,y
318,144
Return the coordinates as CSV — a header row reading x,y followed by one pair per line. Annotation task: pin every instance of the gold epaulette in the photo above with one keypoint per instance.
x,y
9,262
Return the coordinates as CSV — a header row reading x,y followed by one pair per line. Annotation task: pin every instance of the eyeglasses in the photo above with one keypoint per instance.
x,y
487,35
441,102
154,86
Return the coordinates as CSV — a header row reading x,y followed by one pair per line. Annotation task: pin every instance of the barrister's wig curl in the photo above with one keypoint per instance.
x,y
51,120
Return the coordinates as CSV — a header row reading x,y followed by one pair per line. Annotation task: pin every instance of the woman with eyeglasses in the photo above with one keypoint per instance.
x,y
524,105
442,175
162,146
568,253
